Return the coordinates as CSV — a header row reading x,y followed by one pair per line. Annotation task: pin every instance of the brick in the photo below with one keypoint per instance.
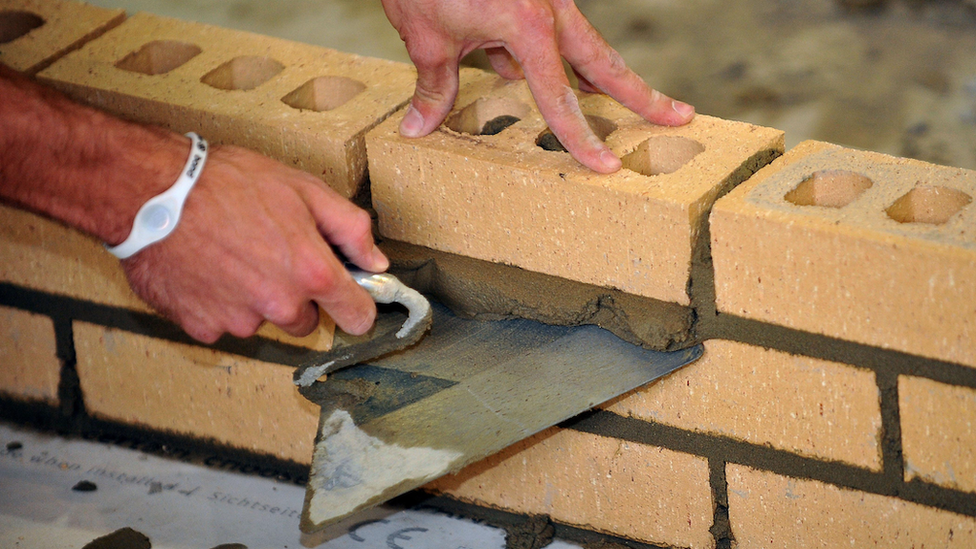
x,y
938,433
187,390
768,510
29,366
44,255
623,488
306,106
890,267
816,408
35,33
502,198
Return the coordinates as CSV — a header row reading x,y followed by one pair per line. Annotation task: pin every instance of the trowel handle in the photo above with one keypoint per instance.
x,y
386,288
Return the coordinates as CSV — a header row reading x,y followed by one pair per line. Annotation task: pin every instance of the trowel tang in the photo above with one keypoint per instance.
x,y
468,390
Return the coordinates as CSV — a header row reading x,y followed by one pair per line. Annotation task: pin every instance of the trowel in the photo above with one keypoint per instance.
x,y
399,410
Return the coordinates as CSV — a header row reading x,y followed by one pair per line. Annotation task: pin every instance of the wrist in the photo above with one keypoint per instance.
x,y
159,216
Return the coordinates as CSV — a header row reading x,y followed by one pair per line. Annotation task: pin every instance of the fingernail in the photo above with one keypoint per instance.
x,y
610,161
412,124
380,261
683,109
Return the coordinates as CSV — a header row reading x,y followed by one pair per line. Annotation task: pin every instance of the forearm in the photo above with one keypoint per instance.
x,y
79,165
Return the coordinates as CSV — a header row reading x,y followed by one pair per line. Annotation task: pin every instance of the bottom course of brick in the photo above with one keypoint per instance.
x,y
194,391
623,488
769,510
29,366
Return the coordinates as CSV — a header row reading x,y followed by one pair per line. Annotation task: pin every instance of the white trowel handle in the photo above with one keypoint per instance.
x,y
386,288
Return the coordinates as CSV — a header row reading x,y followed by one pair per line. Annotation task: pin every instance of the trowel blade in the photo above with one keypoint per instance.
x,y
468,390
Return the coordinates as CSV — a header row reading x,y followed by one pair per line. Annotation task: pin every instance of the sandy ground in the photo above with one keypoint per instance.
x,y
899,78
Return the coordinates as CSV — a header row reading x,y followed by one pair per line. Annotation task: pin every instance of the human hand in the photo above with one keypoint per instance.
x,y
524,37
253,244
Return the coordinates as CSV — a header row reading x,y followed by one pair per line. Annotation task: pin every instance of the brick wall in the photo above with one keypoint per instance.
x,y
833,290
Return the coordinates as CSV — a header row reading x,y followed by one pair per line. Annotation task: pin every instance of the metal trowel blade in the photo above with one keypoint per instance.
x,y
468,390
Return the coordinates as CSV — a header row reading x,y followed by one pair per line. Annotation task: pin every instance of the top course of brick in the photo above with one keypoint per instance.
x,y
480,188
855,245
34,33
306,106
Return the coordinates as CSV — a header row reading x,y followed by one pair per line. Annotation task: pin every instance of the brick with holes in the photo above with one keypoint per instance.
x,y
492,184
306,106
855,245
35,33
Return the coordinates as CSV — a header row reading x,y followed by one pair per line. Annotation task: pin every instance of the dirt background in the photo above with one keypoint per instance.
x,y
896,76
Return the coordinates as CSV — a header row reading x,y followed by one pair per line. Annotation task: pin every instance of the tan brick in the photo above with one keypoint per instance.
x,y
503,199
29,365
624,488
37,32
44,255
768,510
861,272
243,403
811,407
938,432
306,106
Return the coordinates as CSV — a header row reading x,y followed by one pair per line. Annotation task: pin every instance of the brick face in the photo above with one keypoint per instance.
x,y
887,267
768,510
628,489
194,391
812,407
29,366
64,25
306,106
502,198
938,432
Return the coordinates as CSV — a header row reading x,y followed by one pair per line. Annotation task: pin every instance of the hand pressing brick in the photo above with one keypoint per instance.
x,y
504,198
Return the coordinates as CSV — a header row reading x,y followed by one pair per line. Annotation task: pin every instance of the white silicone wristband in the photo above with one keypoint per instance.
x,y
158,217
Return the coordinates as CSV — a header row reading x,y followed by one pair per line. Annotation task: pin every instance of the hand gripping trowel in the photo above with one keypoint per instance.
x,y
394,419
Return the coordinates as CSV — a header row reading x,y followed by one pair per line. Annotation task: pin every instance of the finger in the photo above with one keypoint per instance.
x,y
584,84
437,87
504,64
346,226
300,322
603,68
558,104
331,286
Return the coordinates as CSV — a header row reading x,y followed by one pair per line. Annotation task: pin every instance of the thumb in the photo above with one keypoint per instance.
x,y
437,87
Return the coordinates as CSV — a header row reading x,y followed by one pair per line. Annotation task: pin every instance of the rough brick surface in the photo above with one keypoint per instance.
x,y
938,432
242,403
816,408
768,510
504,199
37,32
624,488
44,255
890,267
29,366
306,106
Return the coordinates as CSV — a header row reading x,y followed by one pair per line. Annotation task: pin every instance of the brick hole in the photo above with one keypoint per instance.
x,y
14,24
829,188
662,155
600,126
925,204
158,57
488,116
243,73
324,93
